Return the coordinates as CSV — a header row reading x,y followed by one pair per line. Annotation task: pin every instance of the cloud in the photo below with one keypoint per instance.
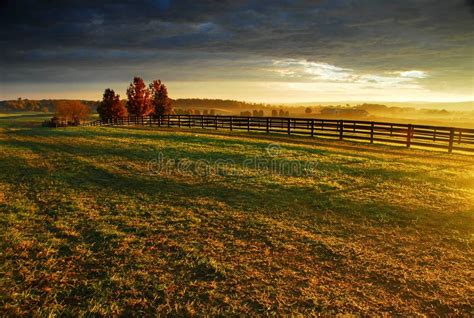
x,y
316,72
413,74
313,70
337,40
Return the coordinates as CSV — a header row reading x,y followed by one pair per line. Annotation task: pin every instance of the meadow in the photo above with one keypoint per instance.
x,y
91,226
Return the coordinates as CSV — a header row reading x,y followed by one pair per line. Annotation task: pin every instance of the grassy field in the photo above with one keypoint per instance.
x,y
92,225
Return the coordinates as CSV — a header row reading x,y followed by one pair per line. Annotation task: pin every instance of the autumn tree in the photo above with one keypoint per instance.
x,y
111,107
72,111
139,102
160,101
308,110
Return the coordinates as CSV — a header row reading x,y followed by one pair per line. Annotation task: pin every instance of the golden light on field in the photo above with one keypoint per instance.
x,y
236,158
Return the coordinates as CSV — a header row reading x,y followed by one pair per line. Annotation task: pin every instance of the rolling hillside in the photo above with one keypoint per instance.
x,y
102,221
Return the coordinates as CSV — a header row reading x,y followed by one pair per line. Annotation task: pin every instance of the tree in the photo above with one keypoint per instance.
x,y
308,110
138,103
72,111
274,112
159,98
111,107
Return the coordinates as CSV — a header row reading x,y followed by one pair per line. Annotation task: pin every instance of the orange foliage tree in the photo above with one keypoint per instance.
x,y
111,107
139,102
72,111
159,98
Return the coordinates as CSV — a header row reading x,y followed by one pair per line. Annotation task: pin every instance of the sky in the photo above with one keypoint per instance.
x,y
260,51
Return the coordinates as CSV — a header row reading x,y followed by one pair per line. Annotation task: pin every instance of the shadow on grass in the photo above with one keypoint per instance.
x,y
131,152
246,194
118,254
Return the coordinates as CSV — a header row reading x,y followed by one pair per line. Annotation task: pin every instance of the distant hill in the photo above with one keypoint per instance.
x,y
49,105
450,106
43,105
214,103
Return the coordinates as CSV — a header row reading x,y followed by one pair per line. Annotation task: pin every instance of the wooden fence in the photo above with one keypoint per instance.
x,y
448,138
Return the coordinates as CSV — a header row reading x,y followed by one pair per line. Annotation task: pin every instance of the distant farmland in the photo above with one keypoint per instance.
x,y
101,221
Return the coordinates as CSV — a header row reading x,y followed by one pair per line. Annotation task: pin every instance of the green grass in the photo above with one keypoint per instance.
x,y
87,229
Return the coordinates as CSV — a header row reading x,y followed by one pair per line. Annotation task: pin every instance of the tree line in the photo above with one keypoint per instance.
x,y
142,100
42,105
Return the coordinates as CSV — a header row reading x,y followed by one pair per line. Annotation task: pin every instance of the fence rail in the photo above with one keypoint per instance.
x,y
448,138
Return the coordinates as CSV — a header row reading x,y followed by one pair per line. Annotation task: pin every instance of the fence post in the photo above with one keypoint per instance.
x,y
202,121
169,117
409,135
189,121
451,140
341,129
179,121
289,127
215,121
371,133
268,125
312,127
248,123
230,122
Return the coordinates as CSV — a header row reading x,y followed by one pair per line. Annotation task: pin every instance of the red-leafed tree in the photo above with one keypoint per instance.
x,y
72,111
111,107
159,98
139,103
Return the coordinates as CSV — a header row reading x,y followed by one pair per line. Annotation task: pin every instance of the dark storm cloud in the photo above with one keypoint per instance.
x,y
47,38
